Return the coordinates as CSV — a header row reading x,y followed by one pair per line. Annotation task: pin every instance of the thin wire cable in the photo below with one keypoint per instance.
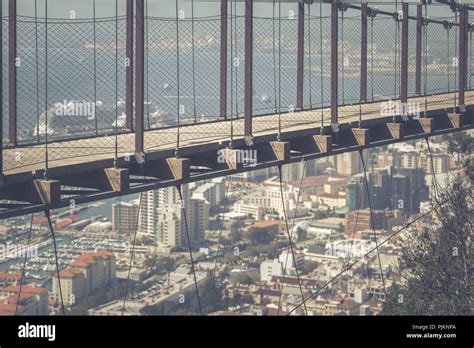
x,y
425,49
360,99
189,246
405,226
55,249
309,58
372,56
116,85
24,262
471,58
177,80
279,71
46,155
37,74
343,80
236,54
397,36
372,219
358,205
321,66
289,237
226,192
274,58
147,65
457,62
449,58
95,65
193,64
133,249
434,181
231,75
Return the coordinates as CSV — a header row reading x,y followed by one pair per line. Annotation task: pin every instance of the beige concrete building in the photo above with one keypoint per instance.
x,y
86,274
32,301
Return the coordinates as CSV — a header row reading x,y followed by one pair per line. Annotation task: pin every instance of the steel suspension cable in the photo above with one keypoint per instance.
x,y
274,58
55,249
226,192
425,49
132,252
177,81
237,63
24,262
457,60
37,74
231,75
358,205
396,45
116,85
193,63
309,58
372,56
147,18
46,156
189,246
471,58
342,57
373,224
434,181
279,71
95,65
289,236
360,95
405,226
321,65
449,57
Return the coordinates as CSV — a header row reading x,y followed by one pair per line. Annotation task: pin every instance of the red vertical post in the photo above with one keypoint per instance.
x,y
1,92
248,68
462,55
419,43
12,82
139,74
334,61
300,58
223,67
404,59
363,55
129,66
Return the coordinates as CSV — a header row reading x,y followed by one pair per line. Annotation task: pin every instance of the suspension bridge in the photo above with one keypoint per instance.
x,y
321,80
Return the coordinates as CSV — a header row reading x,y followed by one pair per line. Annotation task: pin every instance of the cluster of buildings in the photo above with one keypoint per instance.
x,y
86,274
326,204
32,300
161,215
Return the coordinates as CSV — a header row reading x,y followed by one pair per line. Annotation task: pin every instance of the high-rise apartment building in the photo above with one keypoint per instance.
x,y
124,217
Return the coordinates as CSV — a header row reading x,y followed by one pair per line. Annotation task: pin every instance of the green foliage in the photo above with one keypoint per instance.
x,y
243,278
260,235
234,236
239,300
439,264
460,142
301,234
264,249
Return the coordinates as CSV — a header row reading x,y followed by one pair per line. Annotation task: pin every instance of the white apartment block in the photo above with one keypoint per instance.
x,y
270,268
